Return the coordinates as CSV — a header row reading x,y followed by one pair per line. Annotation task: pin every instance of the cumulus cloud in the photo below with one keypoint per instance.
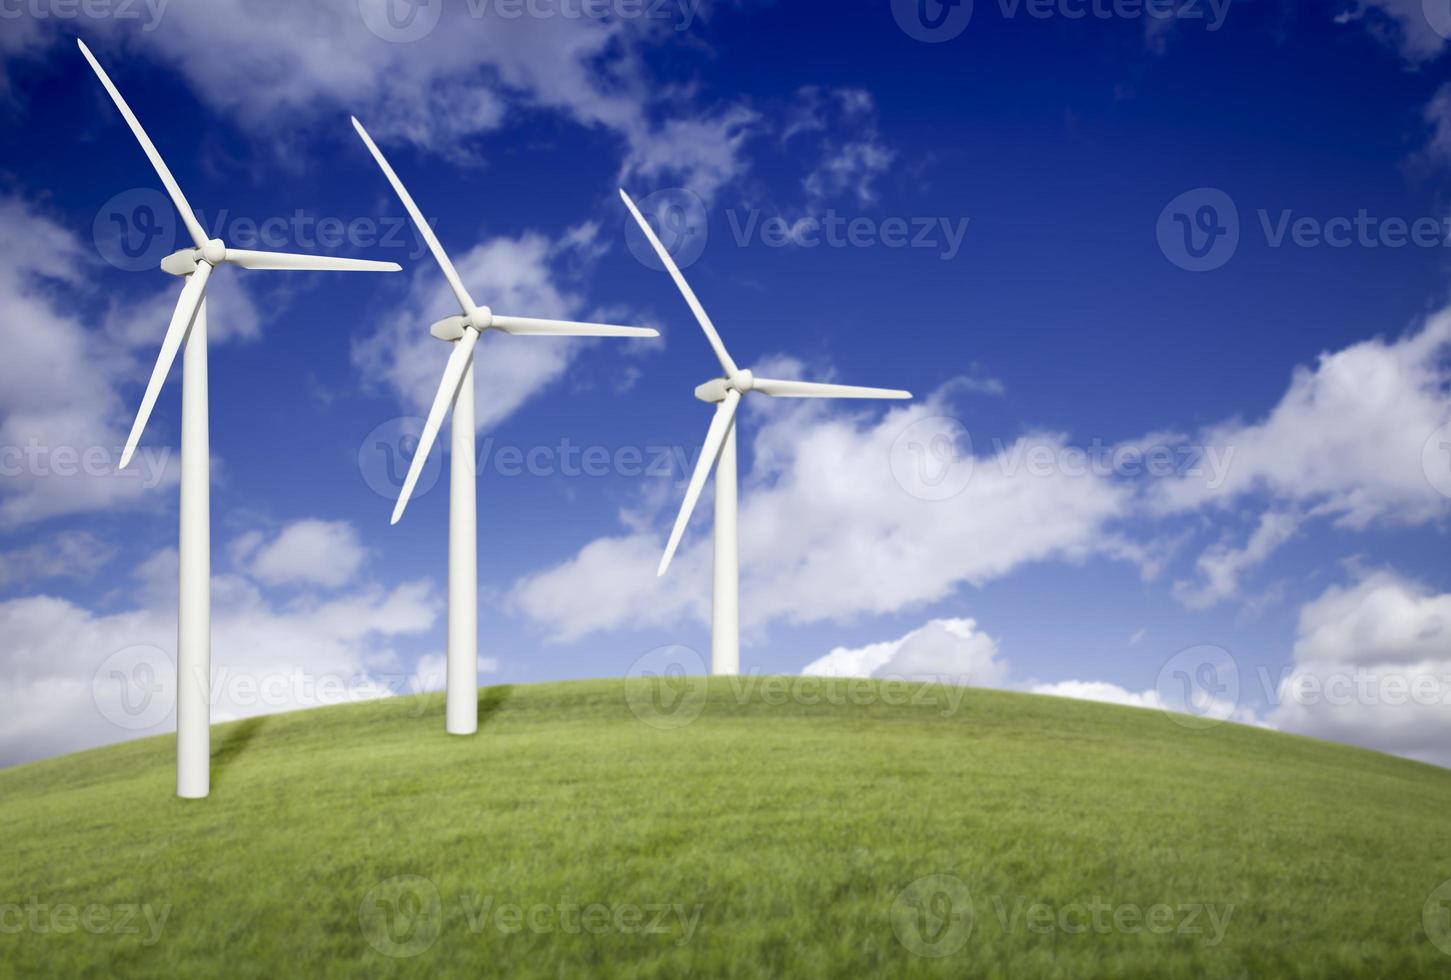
x,y
61,411
70,378
279,66
1345,444
832,529
306,552
956,651
75,675
1100,691
1373,667
70,554
1222,565
948,650
839,127
1403,25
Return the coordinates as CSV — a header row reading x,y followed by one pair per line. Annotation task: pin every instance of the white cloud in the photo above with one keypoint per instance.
x,y
1099,691
1345,439
61,410
1344,444
947,650
956,651
703,153
1438,117
308,552
828,533
1373,667
1400,24
267,656
849,164
1383,618
70,554
1222,566
284,67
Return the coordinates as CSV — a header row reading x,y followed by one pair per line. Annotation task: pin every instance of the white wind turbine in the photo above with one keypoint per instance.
x,y
457,389
189,324
720,452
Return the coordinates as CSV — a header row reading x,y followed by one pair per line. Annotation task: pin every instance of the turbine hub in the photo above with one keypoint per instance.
x,y
481,318
214,252
743,381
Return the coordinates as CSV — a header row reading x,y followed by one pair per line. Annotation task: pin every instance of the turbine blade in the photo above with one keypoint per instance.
x,y
690,298
725,414
810,389
248,259
188,217
525,326
465,301
186,307
458,363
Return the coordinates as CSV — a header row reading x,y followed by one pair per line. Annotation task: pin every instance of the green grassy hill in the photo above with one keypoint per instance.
x,y
883,830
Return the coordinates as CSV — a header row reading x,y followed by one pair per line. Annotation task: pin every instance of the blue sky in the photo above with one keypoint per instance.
x,y
1020,192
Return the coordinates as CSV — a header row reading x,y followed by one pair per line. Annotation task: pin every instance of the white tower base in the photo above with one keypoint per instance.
x,y
463,571
194,613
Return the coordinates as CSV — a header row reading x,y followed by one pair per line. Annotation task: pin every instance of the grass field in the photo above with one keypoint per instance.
x,y
781,832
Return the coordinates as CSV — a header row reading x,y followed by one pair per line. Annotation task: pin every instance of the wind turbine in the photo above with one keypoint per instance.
x,y
457,389
189,324
720,452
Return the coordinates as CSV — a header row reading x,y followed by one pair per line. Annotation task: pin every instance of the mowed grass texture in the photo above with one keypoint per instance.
x,y
764,827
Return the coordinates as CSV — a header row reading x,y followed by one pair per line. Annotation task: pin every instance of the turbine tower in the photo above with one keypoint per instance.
x,y
189,324
457,389
719,453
